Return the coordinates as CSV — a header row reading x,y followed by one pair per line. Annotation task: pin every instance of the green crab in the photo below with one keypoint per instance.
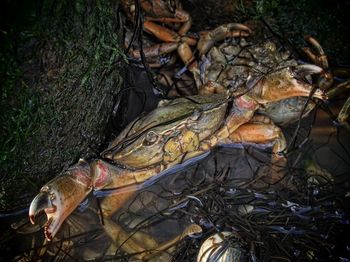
x,y
176,131
240,65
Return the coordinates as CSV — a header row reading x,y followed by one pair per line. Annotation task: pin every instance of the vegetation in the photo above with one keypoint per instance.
x,y
326,20
18,103
60,64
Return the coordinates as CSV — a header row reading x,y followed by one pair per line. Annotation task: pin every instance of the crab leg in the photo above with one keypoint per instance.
x,y
341,71
180,16
187,23
187,57
174,41
211,87
343,116
261,133
321,60
156,50
326,81
261,130
141,245
59,197
138,243
339,89
182,48
162,33
242,111
208,39
157,9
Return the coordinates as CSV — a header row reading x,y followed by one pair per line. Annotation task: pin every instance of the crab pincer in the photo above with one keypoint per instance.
x,y
59,197
286,83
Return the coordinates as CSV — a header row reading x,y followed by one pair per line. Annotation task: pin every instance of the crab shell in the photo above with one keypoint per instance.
x,y
216,248
172,131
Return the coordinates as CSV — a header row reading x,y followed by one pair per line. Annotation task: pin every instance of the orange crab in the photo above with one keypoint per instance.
x,y
160,16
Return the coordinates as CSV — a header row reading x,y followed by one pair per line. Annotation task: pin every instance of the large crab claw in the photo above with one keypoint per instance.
x,y
61,196
286,83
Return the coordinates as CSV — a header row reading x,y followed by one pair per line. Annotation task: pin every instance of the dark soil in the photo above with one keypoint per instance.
x,y
62,68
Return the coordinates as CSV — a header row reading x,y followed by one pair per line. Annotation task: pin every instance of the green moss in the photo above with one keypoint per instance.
x,y
18,106
60,63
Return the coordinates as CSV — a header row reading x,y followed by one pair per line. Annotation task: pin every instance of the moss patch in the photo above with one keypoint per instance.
x,y
61,72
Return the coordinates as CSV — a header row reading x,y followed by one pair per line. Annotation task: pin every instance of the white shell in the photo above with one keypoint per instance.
x,y
245,209
212,245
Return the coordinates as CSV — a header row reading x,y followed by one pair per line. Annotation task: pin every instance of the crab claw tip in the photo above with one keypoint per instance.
x,y
307,37
308,69
32,219
38,205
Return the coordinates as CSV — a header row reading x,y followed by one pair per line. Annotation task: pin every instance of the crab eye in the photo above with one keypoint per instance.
x,y
195,115
150,138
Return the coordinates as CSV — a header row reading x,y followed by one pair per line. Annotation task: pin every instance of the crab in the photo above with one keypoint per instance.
x,y
171,15
174,133
287,111
240,65
234,80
